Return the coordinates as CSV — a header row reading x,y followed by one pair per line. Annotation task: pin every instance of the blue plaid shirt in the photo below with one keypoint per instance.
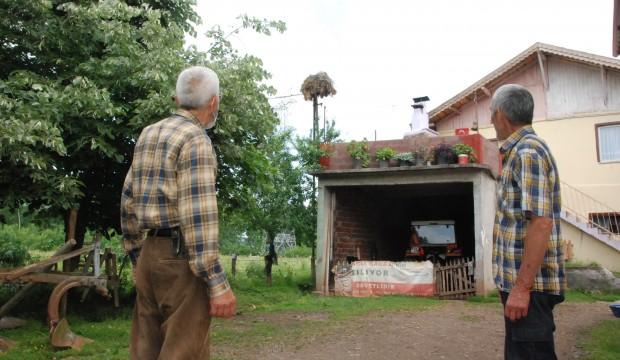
x,y
529,182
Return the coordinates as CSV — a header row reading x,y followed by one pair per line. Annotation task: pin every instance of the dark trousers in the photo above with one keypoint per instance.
x,y
531,337
171,316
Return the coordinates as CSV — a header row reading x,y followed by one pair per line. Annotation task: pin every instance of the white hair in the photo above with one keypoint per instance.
x,y
515,101
196,86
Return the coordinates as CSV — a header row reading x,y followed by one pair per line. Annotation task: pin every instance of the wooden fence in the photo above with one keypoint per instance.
x,y
455,280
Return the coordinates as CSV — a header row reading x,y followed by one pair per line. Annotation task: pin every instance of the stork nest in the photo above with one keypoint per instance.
x,y
319,85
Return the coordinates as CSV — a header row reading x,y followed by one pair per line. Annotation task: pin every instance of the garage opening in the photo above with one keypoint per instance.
x,y
375,222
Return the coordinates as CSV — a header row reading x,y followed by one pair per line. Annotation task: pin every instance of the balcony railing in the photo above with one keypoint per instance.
x,y
591,211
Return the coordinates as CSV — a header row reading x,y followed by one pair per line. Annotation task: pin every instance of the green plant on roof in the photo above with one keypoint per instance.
x,y
464,149
404,156
359,150
385,154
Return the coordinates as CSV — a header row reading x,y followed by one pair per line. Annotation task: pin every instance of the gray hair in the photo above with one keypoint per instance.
x,y
196,86
515,101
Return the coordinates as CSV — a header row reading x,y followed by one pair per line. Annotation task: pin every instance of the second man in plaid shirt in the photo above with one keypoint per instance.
x,y
528,261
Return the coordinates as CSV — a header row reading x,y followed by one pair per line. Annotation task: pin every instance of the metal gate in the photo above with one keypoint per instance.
x,y
455,279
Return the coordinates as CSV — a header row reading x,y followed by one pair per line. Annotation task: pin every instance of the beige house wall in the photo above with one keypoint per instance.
x,y
573,143
587,249
578,98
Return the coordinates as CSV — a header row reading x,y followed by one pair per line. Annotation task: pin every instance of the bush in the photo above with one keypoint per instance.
x,y
359,150
35,237
13,253
297,252
385,154
255,270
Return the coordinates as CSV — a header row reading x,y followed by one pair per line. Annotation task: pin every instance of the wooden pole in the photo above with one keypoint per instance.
x,y
233,261
66,265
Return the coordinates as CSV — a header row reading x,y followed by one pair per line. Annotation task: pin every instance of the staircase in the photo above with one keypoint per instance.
x,y
590,215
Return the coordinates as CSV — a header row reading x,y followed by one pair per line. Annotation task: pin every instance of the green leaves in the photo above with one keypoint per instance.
x,y
79,81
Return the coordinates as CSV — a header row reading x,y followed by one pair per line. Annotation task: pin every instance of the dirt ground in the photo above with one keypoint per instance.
x,y
454,330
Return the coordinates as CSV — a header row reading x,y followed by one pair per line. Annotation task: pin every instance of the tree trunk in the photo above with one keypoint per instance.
x,y
70,227
315,118
270,258
313,265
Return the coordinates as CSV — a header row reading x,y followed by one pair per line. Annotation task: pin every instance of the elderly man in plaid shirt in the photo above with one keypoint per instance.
x,y
170,227
528,261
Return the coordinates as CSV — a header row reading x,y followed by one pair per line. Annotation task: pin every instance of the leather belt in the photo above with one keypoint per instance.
x,y
164,232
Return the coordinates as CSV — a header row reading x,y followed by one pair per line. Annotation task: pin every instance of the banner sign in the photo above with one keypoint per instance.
x,y
370,278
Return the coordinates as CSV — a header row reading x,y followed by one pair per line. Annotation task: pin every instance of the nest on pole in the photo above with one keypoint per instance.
x,y
318,85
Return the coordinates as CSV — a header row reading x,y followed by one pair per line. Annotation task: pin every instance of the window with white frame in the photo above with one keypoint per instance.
x,y
608,142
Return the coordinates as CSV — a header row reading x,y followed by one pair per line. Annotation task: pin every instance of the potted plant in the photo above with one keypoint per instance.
x,y
420,155
404,158
444,154
358,150
384,155
325,153
465,153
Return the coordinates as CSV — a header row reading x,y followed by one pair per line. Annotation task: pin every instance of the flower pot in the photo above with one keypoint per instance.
x,y
357,163
404,163
324,162
463,159
444,159
384,163
419,161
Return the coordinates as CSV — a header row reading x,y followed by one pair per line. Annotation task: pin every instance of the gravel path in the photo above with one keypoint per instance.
x,y
454,330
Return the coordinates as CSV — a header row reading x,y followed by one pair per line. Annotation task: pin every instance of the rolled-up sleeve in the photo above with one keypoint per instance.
x,y
198,214
129,221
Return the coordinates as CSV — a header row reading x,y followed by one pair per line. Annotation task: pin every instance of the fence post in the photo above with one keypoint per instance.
x,y
234,265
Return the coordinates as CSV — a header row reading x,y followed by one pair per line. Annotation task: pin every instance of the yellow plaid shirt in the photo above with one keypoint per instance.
x,y
171,183
529,182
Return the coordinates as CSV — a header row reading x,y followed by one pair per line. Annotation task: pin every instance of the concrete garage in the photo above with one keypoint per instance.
x,y
365,214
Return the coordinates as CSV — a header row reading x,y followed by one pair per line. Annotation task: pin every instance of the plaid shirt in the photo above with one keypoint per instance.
x,y
529,183
171,183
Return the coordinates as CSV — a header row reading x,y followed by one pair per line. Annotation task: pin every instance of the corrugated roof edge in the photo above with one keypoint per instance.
x,y
438,113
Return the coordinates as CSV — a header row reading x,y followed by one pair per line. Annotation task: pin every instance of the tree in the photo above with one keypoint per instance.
x,y
78,82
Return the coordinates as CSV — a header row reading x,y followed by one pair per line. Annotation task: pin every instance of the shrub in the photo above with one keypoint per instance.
x,y
359,150
385,154
13,252
464,149
297,252
443,153
255,270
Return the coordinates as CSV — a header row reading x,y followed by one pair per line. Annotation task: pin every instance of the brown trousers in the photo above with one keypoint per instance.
x,y
171,316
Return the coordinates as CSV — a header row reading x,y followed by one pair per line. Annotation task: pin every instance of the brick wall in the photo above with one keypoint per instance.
x,y
486,151
355,226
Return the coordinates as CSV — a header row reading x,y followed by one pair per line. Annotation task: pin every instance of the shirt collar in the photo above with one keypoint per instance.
x,y
188,115
515,137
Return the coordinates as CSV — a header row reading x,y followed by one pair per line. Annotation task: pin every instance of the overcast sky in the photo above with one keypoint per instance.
x,y
380,54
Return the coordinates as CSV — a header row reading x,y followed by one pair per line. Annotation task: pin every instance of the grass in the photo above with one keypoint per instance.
x,y
288,300
285,313
570,296
602,341
576,264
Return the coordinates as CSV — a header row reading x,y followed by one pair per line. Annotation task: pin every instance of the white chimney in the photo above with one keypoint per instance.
x,y
419,118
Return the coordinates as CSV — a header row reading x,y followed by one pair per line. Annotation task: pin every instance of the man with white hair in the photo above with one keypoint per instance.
x,y
169,220
528,261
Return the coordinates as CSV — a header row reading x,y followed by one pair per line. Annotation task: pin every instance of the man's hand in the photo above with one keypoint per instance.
x,y
224,305
517,303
